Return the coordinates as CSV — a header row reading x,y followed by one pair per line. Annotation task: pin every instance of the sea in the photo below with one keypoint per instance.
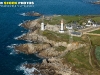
x,y
10,19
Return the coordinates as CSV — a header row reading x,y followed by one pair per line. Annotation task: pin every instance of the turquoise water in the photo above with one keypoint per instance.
x,y
9,29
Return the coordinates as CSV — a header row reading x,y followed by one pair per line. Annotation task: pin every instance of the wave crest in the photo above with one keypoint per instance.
x,y
26,70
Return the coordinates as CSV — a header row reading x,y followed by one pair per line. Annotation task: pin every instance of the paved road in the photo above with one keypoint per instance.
x,y
89,29
92,34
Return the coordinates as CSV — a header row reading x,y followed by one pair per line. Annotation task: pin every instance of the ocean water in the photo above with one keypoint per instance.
x,y
9,29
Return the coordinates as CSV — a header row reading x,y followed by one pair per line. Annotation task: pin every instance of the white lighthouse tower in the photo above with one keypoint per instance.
x,y
62,27
42,24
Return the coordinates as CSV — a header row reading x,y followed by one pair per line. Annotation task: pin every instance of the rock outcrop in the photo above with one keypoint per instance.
x,y
31,14
51,67
31,48
31,25
74,46
97,2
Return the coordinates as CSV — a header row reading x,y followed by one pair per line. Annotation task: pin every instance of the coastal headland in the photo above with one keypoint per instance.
x,y
62,53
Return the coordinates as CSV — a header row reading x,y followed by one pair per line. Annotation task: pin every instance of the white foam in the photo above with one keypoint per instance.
x,y
20,24
22,31
16,38
23,14
13,52
11,48
27,71
29,41
23,34
19,36
14,44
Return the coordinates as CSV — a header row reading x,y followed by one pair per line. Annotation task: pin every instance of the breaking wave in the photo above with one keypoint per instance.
x,y
11,47
23,14
20,24
19,36
27,71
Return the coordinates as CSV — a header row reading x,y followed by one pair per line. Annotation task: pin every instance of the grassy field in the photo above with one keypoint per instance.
x,y
58,37
97,52
69,19
96,31
79,60
95,40
66,19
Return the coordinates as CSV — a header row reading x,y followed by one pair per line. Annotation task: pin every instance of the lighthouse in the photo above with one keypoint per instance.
x,y
42,26
62,27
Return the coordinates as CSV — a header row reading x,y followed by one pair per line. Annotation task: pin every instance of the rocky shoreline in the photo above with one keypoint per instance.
x,y
53,62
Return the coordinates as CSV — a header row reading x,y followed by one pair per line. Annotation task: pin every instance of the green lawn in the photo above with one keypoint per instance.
x,y
60,48
96,18
79,60
58,36
66,19
97,52
95,40
69,19
96,31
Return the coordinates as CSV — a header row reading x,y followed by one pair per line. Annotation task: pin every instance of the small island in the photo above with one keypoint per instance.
x,y
66,44
97,2
32,13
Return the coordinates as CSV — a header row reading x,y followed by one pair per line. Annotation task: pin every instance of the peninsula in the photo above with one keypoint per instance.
x,y
67,44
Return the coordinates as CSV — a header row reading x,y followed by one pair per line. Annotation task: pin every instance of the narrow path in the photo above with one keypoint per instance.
x,y
90,54
89,29
90,61
92,34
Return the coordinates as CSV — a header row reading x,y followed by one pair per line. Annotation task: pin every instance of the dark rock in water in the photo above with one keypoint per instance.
x,y
97,2
32,14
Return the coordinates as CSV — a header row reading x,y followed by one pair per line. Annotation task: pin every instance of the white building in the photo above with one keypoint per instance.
x,y
90,23
94,25
69,27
